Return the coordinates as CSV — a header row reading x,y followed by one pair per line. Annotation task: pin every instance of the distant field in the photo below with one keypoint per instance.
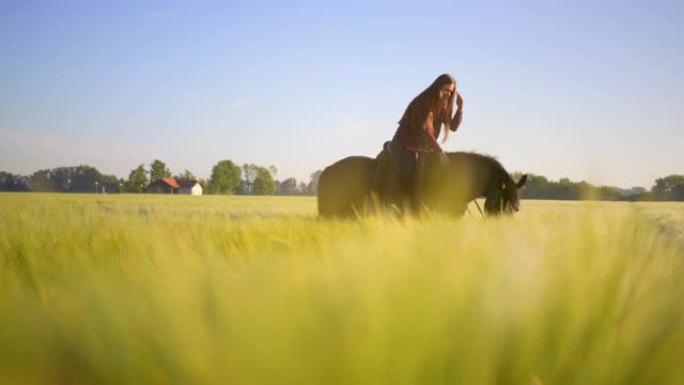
x,y
138,289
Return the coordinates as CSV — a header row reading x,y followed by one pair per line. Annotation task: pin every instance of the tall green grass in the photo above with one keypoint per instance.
x,y
236,290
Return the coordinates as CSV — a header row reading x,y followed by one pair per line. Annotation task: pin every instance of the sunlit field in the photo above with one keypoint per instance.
x,y
138,289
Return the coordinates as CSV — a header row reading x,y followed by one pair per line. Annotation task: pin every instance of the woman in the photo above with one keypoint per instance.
x,y
417,135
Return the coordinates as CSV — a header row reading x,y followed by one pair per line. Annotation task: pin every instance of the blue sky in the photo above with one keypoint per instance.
x,y
580,89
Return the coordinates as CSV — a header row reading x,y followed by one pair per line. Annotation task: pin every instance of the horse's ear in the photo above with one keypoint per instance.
x,y
522,181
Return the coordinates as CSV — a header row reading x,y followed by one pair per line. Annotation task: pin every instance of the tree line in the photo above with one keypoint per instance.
x,y
228,177
669,188
250,179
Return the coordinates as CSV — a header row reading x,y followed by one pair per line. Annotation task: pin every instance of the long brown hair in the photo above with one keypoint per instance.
x,y
426,102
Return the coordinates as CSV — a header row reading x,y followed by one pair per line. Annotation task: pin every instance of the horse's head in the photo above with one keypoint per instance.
x,y
504,198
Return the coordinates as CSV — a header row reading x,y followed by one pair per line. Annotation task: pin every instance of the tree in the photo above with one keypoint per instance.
x,y
302,187
137,180
312,188
263,183
82,179
677,193
249,173
186,175
40,181
537,187
78,179
12,182
288,187
667,188
257,180
158,170
225,177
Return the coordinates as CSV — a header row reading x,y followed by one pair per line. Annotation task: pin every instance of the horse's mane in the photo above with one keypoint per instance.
x,y
476,155
482,160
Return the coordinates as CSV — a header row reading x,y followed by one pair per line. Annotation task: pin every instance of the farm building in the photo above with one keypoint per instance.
x,y
173,186
189,187
163,186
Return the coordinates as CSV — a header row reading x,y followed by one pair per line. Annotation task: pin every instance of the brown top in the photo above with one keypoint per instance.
x,y
421,123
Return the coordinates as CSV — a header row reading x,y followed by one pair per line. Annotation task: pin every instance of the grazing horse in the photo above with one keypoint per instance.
x,y
346,187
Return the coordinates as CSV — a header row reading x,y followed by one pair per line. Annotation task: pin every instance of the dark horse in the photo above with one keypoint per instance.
x,y
346,187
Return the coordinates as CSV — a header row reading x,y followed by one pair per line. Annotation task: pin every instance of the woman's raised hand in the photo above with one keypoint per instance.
x,y
459,100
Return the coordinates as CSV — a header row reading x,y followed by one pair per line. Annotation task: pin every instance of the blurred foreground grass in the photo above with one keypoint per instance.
x,y
239,290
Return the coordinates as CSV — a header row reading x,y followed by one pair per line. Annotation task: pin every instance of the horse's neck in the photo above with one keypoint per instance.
x,y
486,187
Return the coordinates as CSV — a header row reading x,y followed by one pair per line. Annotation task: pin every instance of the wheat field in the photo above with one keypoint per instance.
x,y
143,289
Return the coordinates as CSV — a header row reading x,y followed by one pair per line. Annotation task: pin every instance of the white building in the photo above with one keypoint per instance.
x,y
189,187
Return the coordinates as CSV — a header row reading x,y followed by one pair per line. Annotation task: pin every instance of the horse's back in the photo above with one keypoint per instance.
x,y
344,187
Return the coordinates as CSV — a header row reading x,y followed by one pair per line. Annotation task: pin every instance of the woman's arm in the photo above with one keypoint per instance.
x,y
458,117
427,128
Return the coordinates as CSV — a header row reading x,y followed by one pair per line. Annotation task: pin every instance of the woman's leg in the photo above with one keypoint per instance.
x,y
417,182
